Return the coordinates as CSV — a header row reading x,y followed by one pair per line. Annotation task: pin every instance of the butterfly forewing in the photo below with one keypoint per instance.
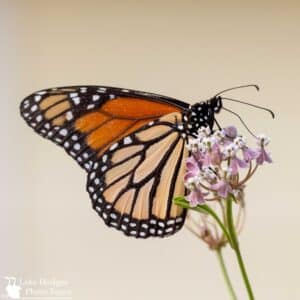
x,y
86,121
132,185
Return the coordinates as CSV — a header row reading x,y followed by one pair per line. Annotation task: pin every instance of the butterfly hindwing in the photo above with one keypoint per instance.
x,y
132,185
87,120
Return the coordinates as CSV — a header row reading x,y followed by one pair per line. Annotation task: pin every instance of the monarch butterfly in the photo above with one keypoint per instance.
x,y
131,143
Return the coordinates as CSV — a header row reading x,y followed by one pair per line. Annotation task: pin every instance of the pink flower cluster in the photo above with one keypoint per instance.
x,y
217,158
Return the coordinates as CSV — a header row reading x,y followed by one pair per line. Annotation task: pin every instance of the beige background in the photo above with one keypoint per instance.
x,y
185,49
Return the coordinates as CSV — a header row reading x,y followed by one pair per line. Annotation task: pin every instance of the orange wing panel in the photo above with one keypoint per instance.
x,y
118,118
137,108
91,121
110,131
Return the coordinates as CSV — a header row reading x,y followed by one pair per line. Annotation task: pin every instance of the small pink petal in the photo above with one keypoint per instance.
x,y
223,188
192,166
263,157
242,163
196,197
249,154
188,175
207,160
231,132
216,155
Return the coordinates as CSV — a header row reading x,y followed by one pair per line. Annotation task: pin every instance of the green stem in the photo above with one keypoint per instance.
x,y
206,210
225,274
236,247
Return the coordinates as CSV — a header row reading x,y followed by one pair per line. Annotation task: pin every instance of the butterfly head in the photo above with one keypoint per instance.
x,y
215,104
202,114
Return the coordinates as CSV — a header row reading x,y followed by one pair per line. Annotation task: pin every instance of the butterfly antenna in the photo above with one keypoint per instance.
x,y
250,104
238,87
237,115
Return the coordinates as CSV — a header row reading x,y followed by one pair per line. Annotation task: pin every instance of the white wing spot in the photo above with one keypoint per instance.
x,y
96,97
91,106
114,216
127,140
69,116
34,108
63,132
76,100
37,98
161,224
77,146
41,93
114,146
39,118
87,166
91,189
170,222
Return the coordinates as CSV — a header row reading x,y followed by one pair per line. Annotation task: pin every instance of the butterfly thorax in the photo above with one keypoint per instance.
x,y
201,114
